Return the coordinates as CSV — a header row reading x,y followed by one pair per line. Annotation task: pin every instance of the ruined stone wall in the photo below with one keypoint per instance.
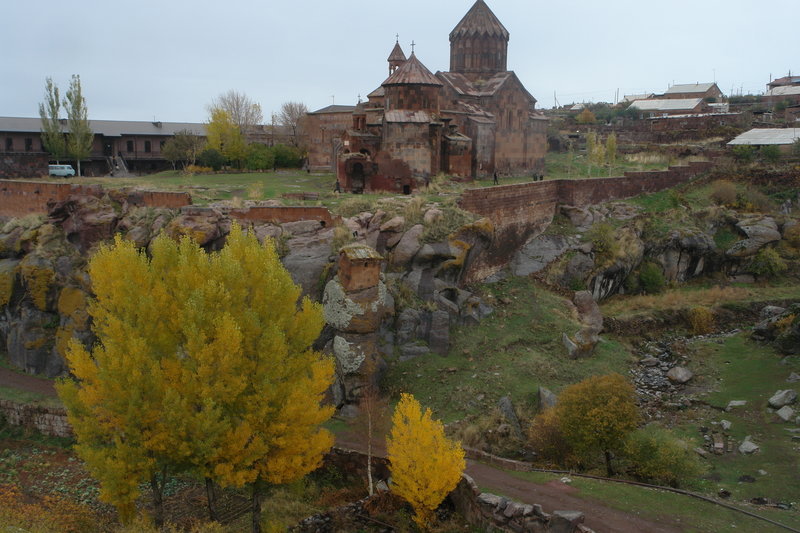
x,y
23,165
281,215
20,198
50,421
521,211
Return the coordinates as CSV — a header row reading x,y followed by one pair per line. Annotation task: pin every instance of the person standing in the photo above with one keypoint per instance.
x,y
496,182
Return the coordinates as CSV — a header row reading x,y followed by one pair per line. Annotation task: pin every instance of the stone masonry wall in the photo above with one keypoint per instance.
x,y
47,420
20,198
521,211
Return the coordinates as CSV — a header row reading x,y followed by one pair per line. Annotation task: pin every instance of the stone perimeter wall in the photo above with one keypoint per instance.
x,y
20,198
50,421
521,211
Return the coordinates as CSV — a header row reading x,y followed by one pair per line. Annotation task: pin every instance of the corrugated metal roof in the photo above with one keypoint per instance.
x,y
108,128
785,90
765,136
418,117
634,97
335,109
412,72
678,104
479,20
690,88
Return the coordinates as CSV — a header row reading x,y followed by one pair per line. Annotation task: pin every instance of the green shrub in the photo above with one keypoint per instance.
x,y
287,156
259,157
655,456
743,153
770,153
651,278
753,200
211,157
767,263
604,241
723,192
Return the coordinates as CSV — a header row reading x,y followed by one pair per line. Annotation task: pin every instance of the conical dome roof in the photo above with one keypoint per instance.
x,y
412,72
397,53
479,20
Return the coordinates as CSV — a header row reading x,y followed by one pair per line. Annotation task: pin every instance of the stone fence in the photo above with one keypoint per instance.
x,y
20,198
47,420
521,211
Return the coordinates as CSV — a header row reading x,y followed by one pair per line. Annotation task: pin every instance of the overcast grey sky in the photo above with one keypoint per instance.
x,y
166,59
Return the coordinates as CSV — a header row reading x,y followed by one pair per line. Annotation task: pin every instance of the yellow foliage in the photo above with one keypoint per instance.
x,y
597,414
546,437
38,280
426,466
701,320
204,363
6,287
72,303
49,515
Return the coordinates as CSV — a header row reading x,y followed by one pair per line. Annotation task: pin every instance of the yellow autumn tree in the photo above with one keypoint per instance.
x,y
234,386
597,414
426,466
223,134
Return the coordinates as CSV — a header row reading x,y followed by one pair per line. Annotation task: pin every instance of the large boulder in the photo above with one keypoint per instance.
x,y
308,257
85,219
685,254
783,397
759,231
408,246
538,253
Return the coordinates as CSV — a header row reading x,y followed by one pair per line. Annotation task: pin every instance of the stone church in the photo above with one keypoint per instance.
x,y
472,121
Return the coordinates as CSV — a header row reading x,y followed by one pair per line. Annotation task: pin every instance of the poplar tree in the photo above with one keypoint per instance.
x,y
426,466
224,135
80,136
204,365
49,110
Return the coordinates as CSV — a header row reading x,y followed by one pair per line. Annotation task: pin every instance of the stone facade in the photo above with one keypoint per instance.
x,y
471,121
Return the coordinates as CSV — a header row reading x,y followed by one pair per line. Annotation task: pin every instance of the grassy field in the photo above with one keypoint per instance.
x,y
697,515
700,293
511,352
738,368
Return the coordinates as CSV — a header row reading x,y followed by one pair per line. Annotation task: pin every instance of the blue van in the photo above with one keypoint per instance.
x,y
63,171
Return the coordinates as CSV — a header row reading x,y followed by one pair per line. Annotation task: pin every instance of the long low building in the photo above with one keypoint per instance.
x,y
663,107
117,144
784,138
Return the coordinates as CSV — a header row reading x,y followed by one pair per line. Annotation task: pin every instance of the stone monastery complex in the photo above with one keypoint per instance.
x,y
471,121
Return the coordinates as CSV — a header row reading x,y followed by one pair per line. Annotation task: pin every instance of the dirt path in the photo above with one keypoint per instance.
x,y
552,496
9,378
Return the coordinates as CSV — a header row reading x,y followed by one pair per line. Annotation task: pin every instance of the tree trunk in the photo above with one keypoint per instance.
x,y
609,469
256,507
158,497
211,496
369,451
79,168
